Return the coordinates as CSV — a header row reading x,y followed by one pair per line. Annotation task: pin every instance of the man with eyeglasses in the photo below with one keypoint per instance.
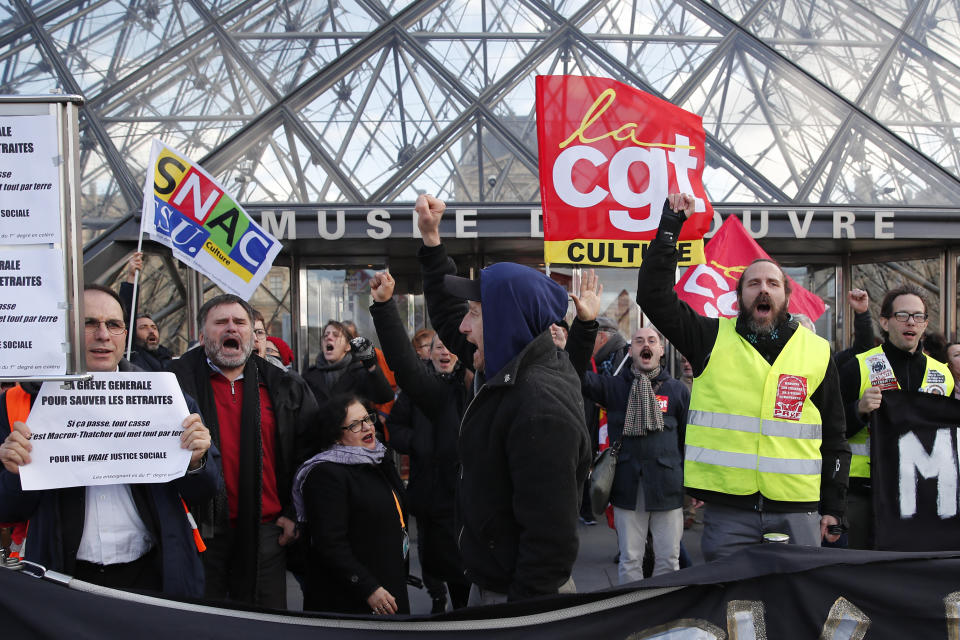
x,y
260,417
898,363
122,536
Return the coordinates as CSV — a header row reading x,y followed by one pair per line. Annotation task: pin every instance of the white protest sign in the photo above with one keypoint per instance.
x,y
118,428
32,312
29,179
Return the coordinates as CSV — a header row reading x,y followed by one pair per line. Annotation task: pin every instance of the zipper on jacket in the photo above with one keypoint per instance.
x,y
463,420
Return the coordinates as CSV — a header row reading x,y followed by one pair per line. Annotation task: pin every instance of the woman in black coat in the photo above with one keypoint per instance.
x,y
349,498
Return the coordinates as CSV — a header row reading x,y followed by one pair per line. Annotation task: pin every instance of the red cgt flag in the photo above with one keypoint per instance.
x,y
609,155
711,288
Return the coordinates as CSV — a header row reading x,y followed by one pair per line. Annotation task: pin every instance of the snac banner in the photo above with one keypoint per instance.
x,y
187,210
609,156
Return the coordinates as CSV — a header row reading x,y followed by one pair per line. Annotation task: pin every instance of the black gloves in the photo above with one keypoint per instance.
x,y
670,223
363,350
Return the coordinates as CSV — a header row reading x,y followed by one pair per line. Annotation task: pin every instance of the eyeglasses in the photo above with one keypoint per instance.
x,y
260,332
116,327
918,317
357,425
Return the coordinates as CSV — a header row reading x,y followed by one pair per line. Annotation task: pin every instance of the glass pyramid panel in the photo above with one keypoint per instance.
x,y
663,42
939,29
461,18
193,105
734,9
777,121
376,117
441,174
101,199
837,42
920,102
501,175
895,12
725,183
291,41
24,70
40,6
9,18
874,168
113,38
280,167
479,67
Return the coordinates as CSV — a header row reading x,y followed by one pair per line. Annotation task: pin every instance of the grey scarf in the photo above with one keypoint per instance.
x,y
643,409
339,454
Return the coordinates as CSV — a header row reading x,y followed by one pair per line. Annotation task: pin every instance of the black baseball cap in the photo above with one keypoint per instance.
x,y
462,287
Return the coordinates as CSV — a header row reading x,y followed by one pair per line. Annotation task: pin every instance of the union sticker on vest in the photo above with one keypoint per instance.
x,y
936,383
881,373
791,393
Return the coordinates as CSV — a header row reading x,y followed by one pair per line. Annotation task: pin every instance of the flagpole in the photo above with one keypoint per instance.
x,y
131,328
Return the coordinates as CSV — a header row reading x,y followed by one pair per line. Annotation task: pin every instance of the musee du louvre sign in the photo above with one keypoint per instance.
x,y
519,221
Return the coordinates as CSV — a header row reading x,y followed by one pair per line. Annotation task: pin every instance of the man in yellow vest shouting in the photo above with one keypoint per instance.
x,y
898,363
765,446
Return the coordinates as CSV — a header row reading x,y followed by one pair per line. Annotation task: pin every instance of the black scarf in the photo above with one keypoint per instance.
x,y
769,345
216,516
331,372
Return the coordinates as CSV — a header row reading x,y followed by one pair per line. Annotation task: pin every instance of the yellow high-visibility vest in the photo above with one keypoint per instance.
x,y
936,379
751,425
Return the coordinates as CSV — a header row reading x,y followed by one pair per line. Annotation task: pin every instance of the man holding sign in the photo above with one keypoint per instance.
x,y
765,445
120,535
899,363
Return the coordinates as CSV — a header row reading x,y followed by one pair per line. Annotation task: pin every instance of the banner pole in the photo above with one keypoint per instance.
x,y
131,328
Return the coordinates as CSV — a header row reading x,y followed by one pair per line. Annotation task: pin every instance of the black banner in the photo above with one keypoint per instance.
x,y
914,472
767,591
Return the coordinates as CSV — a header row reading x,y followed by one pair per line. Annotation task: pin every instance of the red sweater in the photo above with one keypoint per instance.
x,y
229,399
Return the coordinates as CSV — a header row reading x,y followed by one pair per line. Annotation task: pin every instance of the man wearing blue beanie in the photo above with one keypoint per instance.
x,y
524,448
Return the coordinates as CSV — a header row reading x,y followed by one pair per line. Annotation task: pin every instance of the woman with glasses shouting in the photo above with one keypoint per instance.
x,y
350,503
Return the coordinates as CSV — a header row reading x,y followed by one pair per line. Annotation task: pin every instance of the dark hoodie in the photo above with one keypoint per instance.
x,y
519,303
523,445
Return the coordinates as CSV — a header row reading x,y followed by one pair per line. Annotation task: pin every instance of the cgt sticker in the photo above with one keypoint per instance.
x,y
791,394
664,402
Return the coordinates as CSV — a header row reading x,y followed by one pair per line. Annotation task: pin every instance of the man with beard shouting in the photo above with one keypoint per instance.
x,y
765,445
260,417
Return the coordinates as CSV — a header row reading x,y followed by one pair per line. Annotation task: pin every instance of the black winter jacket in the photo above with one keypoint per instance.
x,y
654,461
425,421
356,541
356,378
524,452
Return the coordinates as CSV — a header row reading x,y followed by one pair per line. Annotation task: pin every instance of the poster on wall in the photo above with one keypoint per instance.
x,y
29,179
32,312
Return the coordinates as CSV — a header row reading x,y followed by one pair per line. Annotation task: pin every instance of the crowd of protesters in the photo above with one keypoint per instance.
x,y
500,409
